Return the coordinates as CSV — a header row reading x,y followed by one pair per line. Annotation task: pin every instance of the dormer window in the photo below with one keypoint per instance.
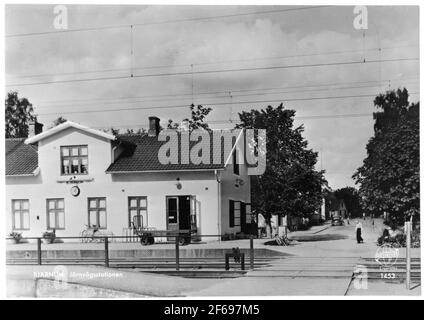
x,y
74,160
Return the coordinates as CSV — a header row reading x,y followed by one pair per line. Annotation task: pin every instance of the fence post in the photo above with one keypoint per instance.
x,y
106,252
408,254
251,255
177,253
39,251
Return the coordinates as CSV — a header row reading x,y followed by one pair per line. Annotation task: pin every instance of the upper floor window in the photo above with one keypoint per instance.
x,y
20,212
74,160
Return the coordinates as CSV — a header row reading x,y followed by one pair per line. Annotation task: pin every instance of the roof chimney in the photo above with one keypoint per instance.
x,y
34,128
185,125
153,126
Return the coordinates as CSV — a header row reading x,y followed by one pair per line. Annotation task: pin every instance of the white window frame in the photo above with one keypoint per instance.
x,y
56,210
21,211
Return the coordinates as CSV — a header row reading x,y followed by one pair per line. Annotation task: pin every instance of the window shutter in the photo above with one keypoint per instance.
x,y
231,213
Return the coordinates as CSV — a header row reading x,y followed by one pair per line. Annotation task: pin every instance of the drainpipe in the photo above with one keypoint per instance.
x,y
217,176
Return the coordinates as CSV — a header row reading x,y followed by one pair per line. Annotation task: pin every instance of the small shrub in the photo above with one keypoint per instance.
x,y
17,236
50,237
399,240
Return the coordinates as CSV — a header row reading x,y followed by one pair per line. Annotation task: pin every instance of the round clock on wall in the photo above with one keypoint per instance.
x,y
75,191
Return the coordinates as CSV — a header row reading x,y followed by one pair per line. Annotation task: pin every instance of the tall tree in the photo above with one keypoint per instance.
x,y
290,183
350,196
389,176
197,120
18,114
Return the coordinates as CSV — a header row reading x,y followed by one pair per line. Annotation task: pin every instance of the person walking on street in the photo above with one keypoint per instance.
x,y
363,215
359,232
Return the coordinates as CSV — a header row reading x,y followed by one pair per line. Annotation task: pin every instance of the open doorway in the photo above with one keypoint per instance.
x,y
181,213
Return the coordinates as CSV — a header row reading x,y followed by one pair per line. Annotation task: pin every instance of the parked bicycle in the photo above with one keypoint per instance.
x,y
94,234
282,240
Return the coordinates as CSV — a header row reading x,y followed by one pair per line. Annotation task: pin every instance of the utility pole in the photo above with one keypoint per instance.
x,y
408,254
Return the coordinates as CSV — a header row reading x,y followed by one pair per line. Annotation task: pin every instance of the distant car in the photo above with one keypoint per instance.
x,y
336,220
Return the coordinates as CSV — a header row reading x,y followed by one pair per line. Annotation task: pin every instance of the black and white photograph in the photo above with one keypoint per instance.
x,y
210,151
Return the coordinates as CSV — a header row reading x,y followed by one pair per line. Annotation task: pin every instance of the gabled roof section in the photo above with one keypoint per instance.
x,y
64,126
21,159
141,155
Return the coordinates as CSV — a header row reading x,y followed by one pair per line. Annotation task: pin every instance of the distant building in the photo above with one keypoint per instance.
x,y
338,208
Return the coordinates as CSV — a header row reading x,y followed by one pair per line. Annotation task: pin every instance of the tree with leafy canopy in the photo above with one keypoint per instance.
x,y
351,198
389,177
197,120
290,184
137,131
18,114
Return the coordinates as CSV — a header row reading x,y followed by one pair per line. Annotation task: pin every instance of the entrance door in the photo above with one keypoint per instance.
x,y
178,213
184,212
243,221
172,213
247,220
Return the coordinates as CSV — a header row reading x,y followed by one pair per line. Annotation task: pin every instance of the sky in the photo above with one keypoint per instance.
x,y
85,75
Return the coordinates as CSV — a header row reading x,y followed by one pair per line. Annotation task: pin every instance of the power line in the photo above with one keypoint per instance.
x,y
217,104
162,22
311,117
388,81
217,71
204,63
225,93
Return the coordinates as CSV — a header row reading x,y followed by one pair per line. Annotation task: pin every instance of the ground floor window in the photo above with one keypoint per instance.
x,y
20,214
56,214
97,213
137,211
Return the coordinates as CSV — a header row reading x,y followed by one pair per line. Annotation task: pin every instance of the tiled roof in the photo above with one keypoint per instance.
x,y
21,158
141,154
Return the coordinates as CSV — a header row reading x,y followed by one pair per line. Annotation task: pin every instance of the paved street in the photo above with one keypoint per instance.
x,y
322,267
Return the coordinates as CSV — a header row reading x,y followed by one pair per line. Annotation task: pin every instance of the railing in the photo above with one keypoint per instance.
x,y
129,234
106,240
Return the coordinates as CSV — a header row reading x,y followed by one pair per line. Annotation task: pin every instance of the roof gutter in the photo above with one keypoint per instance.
x,y
36,172
156,171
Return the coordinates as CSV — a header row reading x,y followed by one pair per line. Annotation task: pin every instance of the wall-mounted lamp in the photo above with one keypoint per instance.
x,y
239,182
179,185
